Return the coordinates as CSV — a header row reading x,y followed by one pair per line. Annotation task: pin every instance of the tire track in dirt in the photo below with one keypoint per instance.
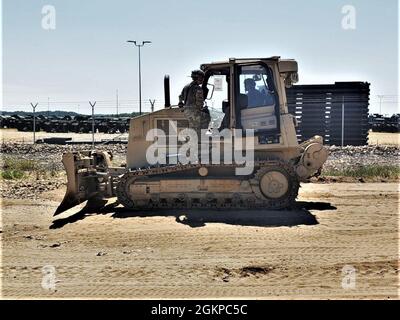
x,y
104,256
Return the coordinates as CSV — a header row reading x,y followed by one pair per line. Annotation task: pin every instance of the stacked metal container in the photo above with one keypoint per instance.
x,y
338,112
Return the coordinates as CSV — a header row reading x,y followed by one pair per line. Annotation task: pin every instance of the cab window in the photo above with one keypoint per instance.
x,y
255,104
254,89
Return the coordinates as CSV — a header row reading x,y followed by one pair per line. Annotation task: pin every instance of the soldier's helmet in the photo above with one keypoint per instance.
x,y
197,74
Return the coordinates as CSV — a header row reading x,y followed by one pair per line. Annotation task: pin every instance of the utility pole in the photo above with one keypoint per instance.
x,y
34,121
152,103
92,105
380,103
48,107
137,44
343,122
117,104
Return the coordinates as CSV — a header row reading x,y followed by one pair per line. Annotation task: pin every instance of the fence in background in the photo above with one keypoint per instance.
x,y
337,112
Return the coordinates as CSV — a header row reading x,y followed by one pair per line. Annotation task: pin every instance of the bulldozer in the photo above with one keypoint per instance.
x,y
252,93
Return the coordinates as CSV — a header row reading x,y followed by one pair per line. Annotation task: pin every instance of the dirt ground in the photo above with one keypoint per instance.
x,y
383,138
255,254
13,135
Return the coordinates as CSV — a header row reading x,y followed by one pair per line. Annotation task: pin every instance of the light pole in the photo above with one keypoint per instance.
x,y
34,121
92,104
139,45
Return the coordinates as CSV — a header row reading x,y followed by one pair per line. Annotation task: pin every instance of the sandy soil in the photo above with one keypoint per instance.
x,y
287,254
383,138
12,135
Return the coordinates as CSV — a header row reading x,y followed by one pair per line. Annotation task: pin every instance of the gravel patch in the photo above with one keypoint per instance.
x,y
353,157
29,189
49,156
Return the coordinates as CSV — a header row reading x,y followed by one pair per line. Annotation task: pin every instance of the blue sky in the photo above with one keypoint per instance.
x,y
87,58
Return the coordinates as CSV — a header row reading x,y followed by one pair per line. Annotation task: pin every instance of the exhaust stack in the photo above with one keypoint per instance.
x,y
167,94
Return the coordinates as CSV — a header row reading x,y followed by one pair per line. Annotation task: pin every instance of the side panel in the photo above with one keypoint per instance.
x,y
136,156
139,127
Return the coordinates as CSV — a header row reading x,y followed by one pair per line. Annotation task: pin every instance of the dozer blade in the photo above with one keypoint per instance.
x,y
70,200
83,178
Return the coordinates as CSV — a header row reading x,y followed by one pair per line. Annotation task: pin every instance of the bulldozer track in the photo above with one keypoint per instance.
x,y
236,201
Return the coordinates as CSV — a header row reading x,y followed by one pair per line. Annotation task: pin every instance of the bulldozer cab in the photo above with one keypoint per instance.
x,y
250,92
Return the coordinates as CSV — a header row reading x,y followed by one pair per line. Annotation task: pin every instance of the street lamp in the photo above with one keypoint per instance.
x,y
139,45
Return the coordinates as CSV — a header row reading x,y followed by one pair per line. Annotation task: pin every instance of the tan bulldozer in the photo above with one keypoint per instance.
x,y
251,93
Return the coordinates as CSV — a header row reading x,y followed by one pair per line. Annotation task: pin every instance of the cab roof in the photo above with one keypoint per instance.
x,y
276,59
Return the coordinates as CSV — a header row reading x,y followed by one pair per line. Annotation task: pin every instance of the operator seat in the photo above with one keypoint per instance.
x,y
242,104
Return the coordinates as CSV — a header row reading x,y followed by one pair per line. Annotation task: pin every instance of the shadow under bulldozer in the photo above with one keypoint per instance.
x,y
299,215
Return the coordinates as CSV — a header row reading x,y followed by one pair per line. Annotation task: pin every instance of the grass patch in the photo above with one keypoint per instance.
x,y
20,164
14,169
369,171
12,174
